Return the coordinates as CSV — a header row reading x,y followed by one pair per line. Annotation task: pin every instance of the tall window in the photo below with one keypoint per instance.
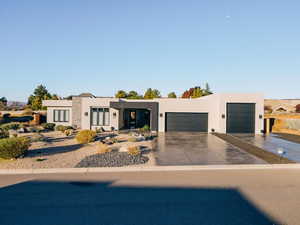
x,y
100,116
61,115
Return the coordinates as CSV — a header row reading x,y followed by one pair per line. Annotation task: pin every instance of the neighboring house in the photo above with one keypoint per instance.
x,y
231,113
281,105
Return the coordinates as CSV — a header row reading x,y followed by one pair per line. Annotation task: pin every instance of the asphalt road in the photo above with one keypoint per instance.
x,y
214,197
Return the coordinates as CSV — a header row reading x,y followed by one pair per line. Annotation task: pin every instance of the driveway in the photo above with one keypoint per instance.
x,y
198,149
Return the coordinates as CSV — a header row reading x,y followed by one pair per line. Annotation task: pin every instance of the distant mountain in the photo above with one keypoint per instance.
x,y
15,104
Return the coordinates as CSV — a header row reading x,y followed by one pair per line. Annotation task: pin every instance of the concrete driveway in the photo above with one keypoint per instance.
x,y
198,149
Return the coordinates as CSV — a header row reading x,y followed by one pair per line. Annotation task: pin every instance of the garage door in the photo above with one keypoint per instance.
x,y
194,122
240,118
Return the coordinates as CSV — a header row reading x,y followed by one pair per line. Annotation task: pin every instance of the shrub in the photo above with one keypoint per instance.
x,y
27,112
146,128
68,132
132,139
48,126
85,136
13,147
134,150
103,148
4,134
6,115
37,137
10,126
298,108
61,128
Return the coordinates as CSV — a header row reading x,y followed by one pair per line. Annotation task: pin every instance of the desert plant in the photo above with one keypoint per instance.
x,y
132,139
61,128
3,133
10,126
68,132
146,128
85,136
37,137
48,126
134,150
103,148
13,147
298,108
27,112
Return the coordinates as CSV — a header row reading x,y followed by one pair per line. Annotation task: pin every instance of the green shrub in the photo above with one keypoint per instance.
x,y
146,128
85,136
3,133
10,126
48,126
61,128
13,147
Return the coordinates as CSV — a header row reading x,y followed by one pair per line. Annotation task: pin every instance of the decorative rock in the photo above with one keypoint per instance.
x,y
13,133
123,149
21,130
112,159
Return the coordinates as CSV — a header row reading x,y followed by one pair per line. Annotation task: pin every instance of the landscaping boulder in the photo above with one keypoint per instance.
x,y
13,133
123,149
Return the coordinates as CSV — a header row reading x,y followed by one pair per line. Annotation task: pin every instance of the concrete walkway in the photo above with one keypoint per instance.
x,y
199,149
273,143
161,198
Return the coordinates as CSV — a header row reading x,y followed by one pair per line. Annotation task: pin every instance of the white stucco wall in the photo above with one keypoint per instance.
x,y
215,105
88,103
207,104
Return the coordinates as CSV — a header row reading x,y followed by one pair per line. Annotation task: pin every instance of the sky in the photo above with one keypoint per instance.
x,y
101,46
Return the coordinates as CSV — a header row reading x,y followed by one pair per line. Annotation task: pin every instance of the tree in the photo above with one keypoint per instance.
x,y
207,90
3,100
55,97
134,95
150,94
197,92
172,95
121,94
40,93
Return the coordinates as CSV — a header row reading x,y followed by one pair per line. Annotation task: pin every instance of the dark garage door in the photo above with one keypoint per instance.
x,y
194,122
240,117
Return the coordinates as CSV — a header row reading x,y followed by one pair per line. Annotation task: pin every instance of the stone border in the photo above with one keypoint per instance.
x,y
148,169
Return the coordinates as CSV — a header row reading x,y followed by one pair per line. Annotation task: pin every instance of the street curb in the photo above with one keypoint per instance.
x,y
148,169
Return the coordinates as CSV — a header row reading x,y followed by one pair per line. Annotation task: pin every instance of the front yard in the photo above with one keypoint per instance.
x,y
56,150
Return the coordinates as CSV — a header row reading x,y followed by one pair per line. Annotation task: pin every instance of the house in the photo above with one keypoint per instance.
x,y
225,113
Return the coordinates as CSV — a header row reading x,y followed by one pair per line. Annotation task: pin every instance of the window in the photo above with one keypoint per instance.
x,y
100,116
61,115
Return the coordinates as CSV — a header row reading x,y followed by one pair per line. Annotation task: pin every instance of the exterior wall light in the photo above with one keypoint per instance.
x,y
161,115
86,113
260,116
223,116
114,114
212,130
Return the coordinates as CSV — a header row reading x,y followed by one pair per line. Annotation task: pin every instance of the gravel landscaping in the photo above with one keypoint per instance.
x,y
56,150
112,159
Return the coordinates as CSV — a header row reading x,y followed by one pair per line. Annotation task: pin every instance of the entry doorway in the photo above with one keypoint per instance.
x,y
136,118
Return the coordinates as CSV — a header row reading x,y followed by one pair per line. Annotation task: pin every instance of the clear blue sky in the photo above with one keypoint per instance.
x,y
101,46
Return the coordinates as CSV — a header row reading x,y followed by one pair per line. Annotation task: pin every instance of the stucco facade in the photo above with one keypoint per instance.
x,y
214,105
